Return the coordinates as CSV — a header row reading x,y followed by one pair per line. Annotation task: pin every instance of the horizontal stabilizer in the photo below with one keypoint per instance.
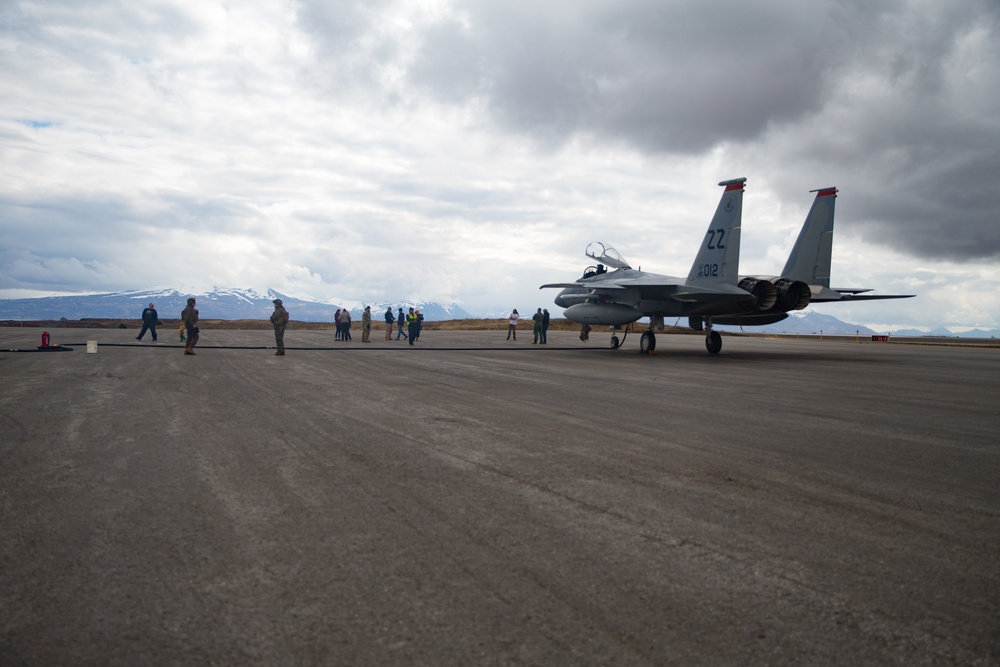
x,y
865,297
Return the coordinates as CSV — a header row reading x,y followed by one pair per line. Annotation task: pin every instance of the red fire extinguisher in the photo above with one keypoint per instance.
x,y
45,339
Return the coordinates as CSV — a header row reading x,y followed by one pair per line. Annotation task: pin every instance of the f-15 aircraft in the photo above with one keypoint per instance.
x,y
626,295
713,291
806,276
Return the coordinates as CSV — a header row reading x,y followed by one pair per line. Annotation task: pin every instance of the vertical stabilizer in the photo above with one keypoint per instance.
x,y
811,255
718,259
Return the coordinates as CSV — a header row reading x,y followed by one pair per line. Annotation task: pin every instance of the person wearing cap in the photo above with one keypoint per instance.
x,y
390,320
190,319
149,320
279,318
366,325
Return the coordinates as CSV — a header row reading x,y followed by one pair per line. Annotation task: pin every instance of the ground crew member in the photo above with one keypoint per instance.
x,y
390,319
537,330
279,318
149,321
190,319
411,326
366,324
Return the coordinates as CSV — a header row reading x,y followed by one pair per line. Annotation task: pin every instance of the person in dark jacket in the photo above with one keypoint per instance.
x,y
149,321
537,328
390,320
545,326
401,321
190,319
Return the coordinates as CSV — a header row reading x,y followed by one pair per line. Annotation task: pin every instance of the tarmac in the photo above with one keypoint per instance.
x,y
476,501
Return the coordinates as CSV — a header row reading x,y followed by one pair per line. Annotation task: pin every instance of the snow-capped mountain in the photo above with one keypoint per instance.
x,y
218,303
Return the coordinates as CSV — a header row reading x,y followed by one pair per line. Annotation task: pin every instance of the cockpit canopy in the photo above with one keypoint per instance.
x,y
606,255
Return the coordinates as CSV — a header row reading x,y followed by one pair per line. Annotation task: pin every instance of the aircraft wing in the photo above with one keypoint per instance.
x,y
600,287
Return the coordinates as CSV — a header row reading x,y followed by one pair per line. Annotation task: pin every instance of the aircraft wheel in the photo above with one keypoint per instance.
x,y
648,342
713,342
615,342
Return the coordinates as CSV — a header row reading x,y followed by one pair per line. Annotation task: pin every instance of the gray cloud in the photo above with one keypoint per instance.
x,y
663,77
908,89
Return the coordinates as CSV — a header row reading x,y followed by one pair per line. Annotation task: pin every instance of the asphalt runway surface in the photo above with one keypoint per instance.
x,y
475,501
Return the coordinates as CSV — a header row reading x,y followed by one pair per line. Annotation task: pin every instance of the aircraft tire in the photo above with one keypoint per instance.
x,y
647,343
615,342
713,342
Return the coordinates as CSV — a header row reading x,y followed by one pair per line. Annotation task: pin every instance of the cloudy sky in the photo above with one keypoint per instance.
x,y
469,151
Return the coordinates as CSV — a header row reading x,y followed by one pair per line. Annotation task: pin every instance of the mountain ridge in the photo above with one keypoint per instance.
x,y
217,303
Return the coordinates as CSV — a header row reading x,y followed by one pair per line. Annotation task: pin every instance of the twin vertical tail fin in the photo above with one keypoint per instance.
x,y
810,258
718,260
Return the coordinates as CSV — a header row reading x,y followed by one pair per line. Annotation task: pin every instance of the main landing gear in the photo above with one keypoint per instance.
x,y
713,341
648,342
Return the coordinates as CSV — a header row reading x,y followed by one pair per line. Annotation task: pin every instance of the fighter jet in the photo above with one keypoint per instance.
x,y
711,288
806,276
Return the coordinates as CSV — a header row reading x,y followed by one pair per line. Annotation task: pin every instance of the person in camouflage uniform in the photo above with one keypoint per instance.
x,y
366,325
279,318
190,319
